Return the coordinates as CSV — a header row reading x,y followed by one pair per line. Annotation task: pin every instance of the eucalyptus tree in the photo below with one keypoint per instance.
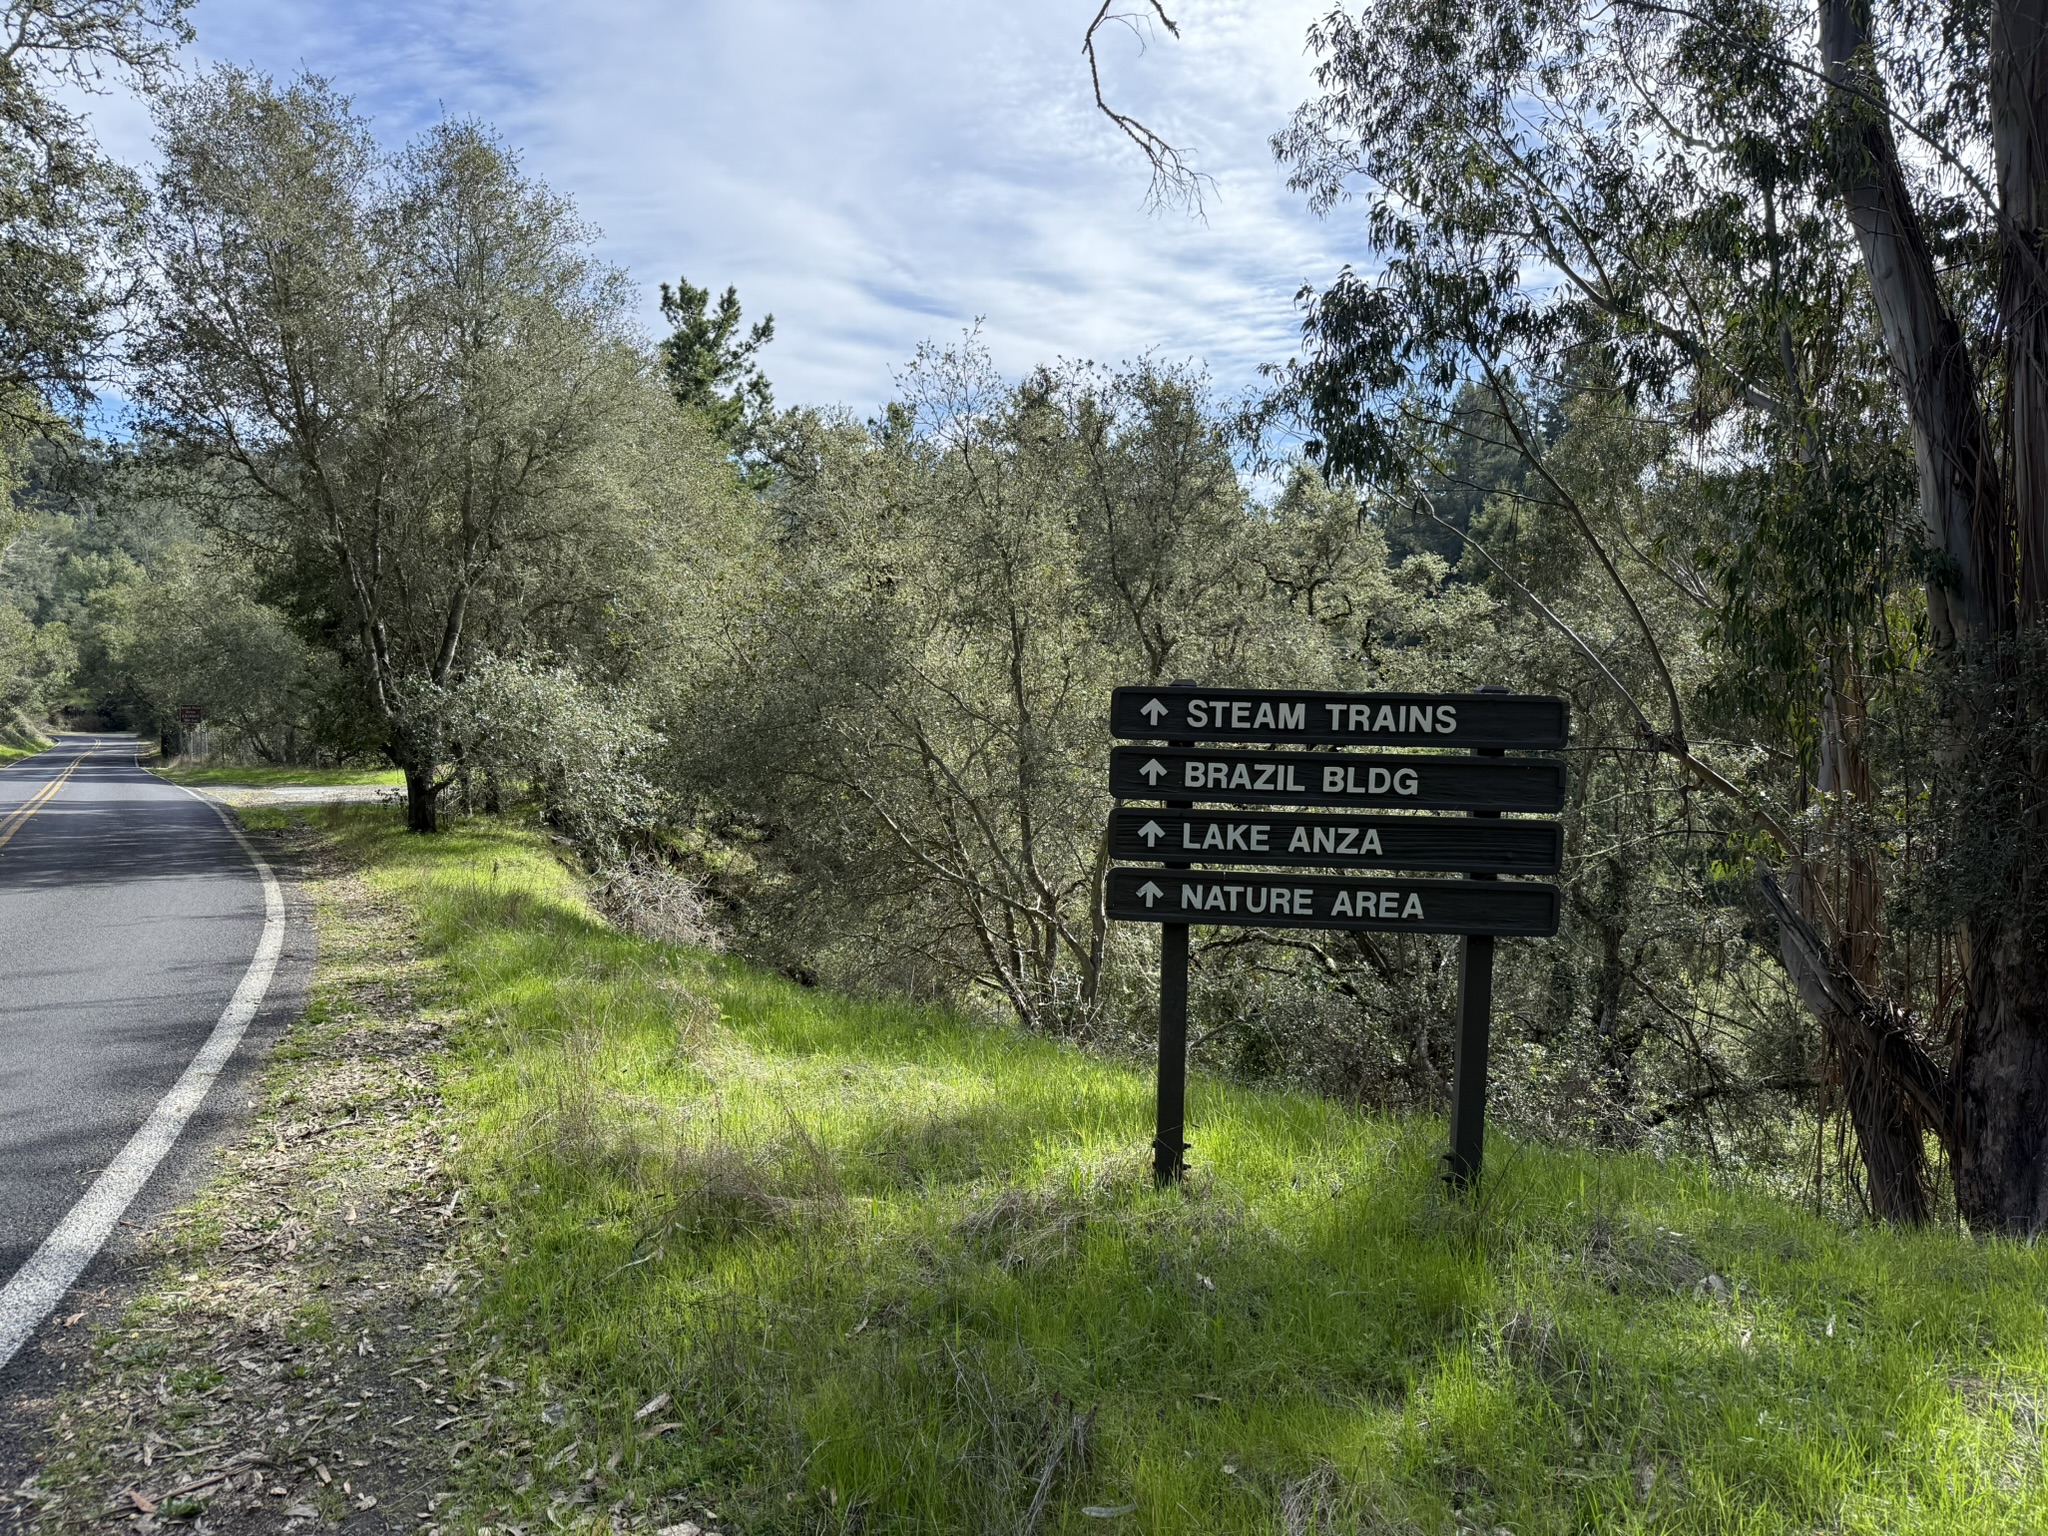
x,y
426,411
1814,260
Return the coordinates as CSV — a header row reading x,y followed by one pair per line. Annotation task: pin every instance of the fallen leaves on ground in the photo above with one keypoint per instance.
x,y
305,1311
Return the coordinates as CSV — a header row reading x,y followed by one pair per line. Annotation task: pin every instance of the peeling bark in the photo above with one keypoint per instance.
x,y
1989,519
1893,1091
2017,91
2001,1166
1961,490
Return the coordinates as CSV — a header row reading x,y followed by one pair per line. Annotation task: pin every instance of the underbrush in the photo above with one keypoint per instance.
x,y
819,1264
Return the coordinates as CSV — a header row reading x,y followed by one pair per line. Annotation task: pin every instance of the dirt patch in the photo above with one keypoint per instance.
x,y
260,795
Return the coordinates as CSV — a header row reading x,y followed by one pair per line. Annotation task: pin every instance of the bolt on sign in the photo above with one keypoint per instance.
x,y
1186,833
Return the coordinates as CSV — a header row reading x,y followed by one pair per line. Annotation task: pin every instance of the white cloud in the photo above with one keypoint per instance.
x,y
874,173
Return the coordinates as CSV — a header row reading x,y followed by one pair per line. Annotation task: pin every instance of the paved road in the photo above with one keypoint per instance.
x,y
128,916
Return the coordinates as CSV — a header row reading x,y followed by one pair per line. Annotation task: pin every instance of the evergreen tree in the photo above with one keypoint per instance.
x,y
709,362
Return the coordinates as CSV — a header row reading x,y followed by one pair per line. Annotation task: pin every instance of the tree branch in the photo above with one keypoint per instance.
x,y
1658,741
1827,987
1724,1088
1571,504
1175,181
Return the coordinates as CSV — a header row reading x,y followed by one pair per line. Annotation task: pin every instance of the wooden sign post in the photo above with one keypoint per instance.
x,y
1184,838
1475,1039
1169,1136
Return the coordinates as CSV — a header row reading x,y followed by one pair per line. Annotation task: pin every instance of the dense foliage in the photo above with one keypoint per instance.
x,y
68,214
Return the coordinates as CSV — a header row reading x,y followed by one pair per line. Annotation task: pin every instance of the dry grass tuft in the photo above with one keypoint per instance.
x,y
719,1188
659,902
1312,1505
1021,1228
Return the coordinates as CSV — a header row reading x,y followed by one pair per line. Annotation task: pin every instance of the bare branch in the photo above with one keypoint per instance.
x,y
1505,401
1584,647
1175,181
1835,996
1800,1081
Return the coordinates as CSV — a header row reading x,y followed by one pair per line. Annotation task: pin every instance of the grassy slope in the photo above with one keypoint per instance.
x,y
19,737
267,777
881,1260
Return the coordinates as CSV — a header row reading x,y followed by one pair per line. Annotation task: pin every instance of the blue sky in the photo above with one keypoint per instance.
x,y
875,172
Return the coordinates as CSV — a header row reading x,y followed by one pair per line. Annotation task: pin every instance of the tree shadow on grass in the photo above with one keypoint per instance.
x,y
940,1148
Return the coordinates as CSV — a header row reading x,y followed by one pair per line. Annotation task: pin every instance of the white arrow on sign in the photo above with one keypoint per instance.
x,y
1151,893
1155,711
1153,772
1151,832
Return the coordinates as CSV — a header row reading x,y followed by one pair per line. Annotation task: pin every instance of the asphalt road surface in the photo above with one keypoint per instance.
x,y
129,918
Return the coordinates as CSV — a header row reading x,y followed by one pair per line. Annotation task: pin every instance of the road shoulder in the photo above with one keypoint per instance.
x,y
236,1351
34,1382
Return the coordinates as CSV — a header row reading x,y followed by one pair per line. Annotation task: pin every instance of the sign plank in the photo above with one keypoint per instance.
x,y
1337,778
1256,900
1277,717
1340,842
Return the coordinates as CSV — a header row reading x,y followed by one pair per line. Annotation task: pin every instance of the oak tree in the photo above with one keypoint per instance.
x,y
420,395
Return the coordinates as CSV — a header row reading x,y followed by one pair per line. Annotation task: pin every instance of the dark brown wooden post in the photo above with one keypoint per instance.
x,y
1169,1144
1475,1024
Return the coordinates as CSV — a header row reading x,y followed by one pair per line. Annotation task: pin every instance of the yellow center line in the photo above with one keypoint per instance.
x,y
16,819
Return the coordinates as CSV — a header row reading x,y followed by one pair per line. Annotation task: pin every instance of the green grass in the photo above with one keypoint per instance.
x,y
261,777
19,737
894,1271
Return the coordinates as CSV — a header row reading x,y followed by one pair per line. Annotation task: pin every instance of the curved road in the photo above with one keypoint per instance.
x,y
129,918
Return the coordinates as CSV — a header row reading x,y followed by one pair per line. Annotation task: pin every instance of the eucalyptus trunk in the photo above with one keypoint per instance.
x,y
1987,520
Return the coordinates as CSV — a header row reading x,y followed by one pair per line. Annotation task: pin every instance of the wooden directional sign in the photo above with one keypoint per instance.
x,y
1341,842
1337,778
1274,717
1518,907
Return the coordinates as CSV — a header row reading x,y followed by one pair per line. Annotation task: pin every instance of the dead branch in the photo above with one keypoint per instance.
x,y
1579,642
1504,400
1835,996
1175,181
1668,743
1726,1088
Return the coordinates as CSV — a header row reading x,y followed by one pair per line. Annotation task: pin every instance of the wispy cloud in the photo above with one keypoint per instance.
x,y
875,172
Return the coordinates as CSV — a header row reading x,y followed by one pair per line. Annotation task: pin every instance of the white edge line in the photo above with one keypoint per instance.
x,y
36,1288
